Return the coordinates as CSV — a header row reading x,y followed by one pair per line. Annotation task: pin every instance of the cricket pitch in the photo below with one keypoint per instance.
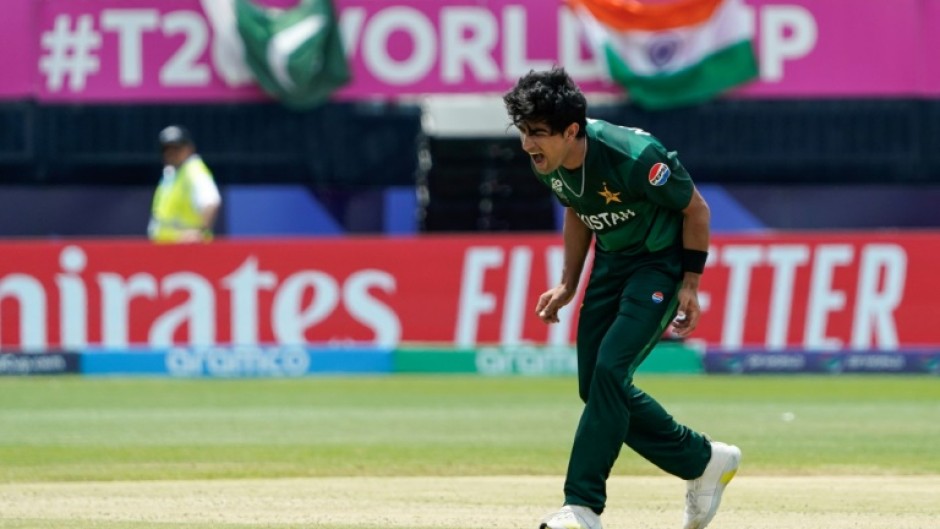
x,y
504,502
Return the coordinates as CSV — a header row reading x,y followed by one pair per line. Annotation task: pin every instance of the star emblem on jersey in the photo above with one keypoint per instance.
x,y
609,196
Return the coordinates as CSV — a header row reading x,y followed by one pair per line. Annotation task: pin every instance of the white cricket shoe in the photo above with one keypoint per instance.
x,y
703,495
572,517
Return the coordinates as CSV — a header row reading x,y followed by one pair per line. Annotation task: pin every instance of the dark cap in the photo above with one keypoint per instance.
x,y
175,135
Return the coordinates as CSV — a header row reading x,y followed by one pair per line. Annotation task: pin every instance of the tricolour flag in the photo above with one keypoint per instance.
x,y
296,54
672,54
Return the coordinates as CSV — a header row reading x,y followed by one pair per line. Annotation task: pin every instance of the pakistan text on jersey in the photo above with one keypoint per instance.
x,y
604,220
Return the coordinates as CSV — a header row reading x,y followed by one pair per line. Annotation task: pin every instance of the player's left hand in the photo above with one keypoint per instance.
x,y
689,311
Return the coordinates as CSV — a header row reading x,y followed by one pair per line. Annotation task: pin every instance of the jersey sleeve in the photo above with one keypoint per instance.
x,y
660,176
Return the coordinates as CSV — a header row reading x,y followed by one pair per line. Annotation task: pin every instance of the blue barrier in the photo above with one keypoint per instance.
x,y
236,361
924,361
49,363
103,362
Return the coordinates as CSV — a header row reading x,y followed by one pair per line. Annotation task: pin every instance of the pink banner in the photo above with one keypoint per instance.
x,y
457,47
814,48
929,80
18,44
129,50
173,50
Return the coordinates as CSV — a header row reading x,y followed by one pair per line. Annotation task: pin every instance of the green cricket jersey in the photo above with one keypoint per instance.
x,y
633,192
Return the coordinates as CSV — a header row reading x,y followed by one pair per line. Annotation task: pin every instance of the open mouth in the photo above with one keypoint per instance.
x,y
538,159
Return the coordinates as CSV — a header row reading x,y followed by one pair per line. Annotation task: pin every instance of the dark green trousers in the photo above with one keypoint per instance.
x,y
628,303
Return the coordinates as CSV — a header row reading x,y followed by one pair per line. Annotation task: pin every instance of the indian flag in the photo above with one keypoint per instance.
x,y
674,53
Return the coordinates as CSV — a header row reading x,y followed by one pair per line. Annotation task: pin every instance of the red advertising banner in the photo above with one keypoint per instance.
x,y
815,291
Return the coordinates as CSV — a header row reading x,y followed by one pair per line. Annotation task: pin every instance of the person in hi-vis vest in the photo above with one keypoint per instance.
x,y
187,200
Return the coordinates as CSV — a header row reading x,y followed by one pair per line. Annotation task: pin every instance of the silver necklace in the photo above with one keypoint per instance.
x,y
583,164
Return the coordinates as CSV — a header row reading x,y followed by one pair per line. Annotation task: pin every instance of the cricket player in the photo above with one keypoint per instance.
x,y
622,189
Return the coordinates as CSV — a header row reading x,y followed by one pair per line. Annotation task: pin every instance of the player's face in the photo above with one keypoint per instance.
x,y
547,148
176,154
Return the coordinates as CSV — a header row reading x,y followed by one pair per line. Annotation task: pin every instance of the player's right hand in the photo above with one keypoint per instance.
x,y
551,301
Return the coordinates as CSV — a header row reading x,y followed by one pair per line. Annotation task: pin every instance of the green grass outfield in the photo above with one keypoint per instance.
x,y
103,429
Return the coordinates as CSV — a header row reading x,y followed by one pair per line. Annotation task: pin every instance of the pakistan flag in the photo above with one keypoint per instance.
x,y
296,54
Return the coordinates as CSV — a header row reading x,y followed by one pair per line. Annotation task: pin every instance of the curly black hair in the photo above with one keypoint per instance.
x,y
548,96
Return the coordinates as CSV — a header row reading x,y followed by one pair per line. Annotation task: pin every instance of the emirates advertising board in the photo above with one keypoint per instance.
x,y
805,291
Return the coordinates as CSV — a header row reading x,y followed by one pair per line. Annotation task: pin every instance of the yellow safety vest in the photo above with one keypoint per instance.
x,y
173,209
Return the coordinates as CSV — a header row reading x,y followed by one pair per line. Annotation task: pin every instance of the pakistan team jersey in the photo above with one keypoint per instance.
x,y
633,192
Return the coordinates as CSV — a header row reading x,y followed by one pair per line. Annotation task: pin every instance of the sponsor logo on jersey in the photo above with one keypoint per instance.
x,y
659,173
657,297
